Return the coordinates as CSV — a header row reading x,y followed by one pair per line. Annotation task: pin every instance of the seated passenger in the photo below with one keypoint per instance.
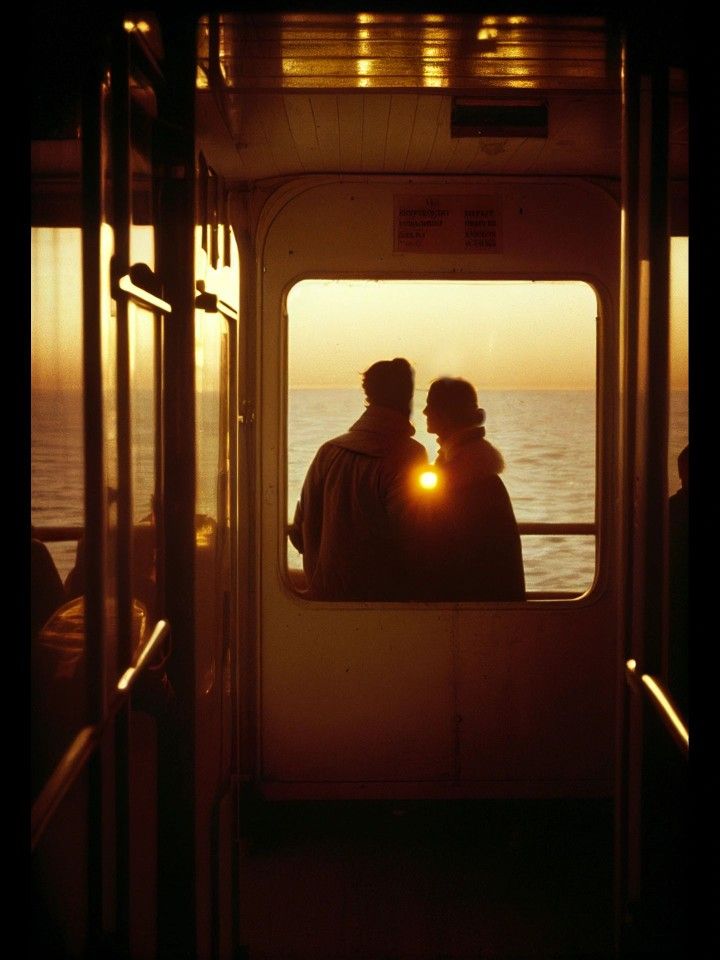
x,y
46,587
468,547
56,698
144,585
356,492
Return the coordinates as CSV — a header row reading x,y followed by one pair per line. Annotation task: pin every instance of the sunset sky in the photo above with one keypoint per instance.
x,y
499,335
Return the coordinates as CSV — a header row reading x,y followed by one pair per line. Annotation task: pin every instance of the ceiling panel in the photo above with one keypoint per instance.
x,y
350,127
401,120
374,50
372,93
376,116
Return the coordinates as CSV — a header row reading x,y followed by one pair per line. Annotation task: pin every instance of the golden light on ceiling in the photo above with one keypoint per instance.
x,y
136,26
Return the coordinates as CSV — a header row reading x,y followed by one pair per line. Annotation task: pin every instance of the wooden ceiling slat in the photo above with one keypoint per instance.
x,y
376,115
301,121
424,128
350,121
278,134
327,129
253,146
403,107
443,148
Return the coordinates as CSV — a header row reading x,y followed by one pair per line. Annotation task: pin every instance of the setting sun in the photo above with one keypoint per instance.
x,y
428,480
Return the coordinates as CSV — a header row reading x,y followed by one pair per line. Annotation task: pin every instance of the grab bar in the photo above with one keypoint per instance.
x,y
160,632
661,700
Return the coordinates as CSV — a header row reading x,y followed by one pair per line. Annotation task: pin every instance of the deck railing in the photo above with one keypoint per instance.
x,y
58,534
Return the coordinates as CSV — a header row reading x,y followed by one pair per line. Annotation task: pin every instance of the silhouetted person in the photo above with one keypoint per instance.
x,y
678,585
353,502
46,587
471,547
50,730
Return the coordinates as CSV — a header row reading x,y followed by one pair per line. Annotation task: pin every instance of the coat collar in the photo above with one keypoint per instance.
x,y
469,449
377,419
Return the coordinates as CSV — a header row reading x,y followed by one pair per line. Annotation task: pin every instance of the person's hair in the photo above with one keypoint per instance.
x,y
456,400
390,383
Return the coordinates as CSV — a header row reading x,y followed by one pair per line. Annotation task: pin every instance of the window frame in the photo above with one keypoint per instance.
x,y
607,431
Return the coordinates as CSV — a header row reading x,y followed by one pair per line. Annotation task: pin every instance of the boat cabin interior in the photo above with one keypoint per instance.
x,y
234,213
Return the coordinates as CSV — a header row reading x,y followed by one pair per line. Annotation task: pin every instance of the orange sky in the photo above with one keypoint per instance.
x,y
498,335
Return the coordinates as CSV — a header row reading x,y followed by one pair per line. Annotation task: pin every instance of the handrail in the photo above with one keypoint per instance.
x,y
57,534
144,297
539,529
160,632
662,702
543,529
86,742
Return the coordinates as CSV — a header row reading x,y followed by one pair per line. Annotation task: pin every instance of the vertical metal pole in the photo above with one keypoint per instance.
x,y
122,213
658,245
645,325
177,921
94,533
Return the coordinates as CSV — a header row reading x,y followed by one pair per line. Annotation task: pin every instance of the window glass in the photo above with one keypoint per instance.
x,y
56,496
144,414
675,667
212,400
679,384
529,349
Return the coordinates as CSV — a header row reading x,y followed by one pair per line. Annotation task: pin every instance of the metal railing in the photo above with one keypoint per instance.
x,y
57,534
89,738
553,529
532,529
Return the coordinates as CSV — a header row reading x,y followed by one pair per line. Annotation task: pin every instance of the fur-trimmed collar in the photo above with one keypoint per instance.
x,y
468,450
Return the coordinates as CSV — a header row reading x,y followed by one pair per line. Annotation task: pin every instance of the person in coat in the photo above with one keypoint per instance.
x,y
350,517
470,545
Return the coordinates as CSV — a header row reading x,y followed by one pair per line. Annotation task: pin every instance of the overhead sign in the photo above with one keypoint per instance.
x,y
439,223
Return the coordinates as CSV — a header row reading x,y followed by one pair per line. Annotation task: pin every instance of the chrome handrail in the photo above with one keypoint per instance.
x,y
652,688
160,632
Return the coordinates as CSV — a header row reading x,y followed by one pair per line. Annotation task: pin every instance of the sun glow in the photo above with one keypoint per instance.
x,y
428,480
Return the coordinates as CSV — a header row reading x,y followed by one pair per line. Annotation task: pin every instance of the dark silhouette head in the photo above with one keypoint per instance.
x,y
683,462
390,383
452,405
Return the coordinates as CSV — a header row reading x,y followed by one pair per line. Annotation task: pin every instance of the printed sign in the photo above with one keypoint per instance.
x,y
447,224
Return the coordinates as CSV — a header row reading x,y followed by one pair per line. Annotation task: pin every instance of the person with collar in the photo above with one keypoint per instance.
x,y
351,516
471,545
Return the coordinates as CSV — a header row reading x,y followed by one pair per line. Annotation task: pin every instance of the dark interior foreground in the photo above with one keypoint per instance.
x,y
436,880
